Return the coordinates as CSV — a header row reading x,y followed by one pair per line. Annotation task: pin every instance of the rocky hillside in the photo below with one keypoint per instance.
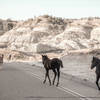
x,y
51,34
6,25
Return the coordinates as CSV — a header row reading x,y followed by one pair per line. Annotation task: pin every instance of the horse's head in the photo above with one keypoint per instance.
x,y
94,62
44,58
2,55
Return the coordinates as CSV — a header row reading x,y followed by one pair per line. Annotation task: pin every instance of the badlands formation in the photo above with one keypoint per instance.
x,y
46,34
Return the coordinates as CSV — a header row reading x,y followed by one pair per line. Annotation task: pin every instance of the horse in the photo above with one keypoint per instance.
x,y
1,58
9,57
54,65
96,63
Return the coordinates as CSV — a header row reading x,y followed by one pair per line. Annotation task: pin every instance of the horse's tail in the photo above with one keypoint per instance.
x,y
61,64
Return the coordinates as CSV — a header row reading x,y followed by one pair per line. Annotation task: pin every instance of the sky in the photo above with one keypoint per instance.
x,y
24,9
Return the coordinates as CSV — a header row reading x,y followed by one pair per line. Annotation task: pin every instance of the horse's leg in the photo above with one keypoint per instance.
x,y
49,77
55,73
58,76
97,80
46,74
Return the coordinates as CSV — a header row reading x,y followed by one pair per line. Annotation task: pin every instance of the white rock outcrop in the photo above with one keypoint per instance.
x,y
43,48
95,34
46,34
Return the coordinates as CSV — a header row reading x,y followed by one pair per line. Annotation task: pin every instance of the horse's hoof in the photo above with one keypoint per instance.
x,y
53,83
44,81
57,84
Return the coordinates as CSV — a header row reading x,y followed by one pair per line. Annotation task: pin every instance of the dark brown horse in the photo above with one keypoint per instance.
x,y
54,65
96,63
1,58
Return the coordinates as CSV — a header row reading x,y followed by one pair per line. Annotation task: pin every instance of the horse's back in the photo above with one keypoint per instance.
x,y
55,62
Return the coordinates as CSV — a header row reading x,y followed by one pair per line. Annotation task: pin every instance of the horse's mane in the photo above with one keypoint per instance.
x,y
46,56
97,59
